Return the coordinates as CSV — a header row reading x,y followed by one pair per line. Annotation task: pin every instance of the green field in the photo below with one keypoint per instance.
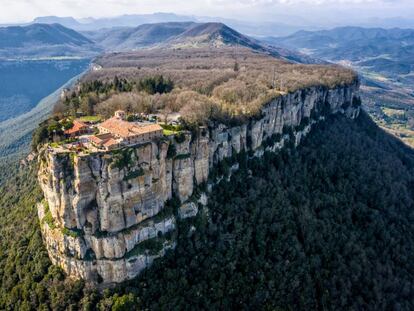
x,y
391,112
91,119
169,130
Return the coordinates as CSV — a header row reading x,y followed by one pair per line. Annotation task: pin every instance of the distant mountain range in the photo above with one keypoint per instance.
x,y
385,61
54,40
170,34
388,51
126,38
43,40
185,34
87,24
12,37
282,26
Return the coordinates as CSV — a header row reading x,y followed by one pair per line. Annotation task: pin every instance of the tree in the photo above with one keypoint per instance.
x,y
125,303
88,103
156,84
236,66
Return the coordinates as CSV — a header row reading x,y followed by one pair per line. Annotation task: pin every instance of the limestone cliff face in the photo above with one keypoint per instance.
x,y
104,217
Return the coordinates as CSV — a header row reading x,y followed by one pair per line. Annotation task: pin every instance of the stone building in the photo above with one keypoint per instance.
x,y
116,132
78,128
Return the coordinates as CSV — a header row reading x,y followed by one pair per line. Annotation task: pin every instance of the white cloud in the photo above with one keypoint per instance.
x,y
301,2
20,10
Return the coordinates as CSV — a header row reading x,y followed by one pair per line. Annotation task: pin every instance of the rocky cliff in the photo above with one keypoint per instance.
x,y
106,216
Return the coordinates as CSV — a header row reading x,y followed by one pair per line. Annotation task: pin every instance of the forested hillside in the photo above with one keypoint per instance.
x,y
44,41
28,94
328,226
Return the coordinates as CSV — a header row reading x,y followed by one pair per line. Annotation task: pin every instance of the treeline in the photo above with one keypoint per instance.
x,y
50,130
154,85
102,87
93,97
88,94
326,226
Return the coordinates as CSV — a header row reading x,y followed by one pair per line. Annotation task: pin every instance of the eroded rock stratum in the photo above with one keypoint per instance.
x,y
105,216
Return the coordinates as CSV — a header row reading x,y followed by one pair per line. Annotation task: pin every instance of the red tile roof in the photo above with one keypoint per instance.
x,y
110,142
101,139
126,129
77,126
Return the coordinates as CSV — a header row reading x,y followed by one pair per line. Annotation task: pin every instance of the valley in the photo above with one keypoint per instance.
x,y
30,88
383,57
26,82
36,63
183,165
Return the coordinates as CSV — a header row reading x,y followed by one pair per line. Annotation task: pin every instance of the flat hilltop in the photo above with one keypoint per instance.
x,y
235,80
195,67
195,86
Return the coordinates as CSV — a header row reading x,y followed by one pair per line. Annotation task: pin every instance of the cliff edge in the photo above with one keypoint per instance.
x,y
107,215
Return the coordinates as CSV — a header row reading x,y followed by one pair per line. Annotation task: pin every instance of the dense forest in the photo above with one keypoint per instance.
x,y
326,226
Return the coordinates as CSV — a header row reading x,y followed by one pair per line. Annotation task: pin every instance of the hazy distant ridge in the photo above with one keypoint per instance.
x,y
184,34
389,51
43,40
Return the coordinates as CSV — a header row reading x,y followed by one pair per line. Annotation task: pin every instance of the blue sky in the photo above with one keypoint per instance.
x,y
254,10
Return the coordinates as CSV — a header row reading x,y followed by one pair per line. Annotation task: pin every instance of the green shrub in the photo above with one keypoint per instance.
x,y
131,118
287,130
182,156
356,102
135,174
179,138
48,219
74,233
270,141
156,84
303,123
151,247
172,151
122,158
170,127
166,212
125,303
174,203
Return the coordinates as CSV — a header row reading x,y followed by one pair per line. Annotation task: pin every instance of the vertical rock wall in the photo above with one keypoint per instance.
x,y
103,217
